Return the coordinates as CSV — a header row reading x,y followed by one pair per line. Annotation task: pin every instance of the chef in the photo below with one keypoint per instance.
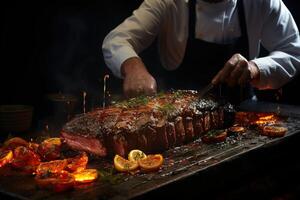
x,y
207,41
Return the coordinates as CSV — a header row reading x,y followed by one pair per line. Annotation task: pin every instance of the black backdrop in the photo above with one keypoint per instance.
x,y
55,46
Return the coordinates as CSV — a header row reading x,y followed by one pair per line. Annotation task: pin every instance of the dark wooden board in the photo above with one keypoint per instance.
x,y
180,163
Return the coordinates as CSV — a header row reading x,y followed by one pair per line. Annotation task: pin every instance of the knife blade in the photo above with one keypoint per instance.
x,y
206,89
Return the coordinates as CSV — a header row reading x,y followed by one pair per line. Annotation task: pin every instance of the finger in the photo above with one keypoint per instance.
x,y
244,78
241,66
231,82
228,67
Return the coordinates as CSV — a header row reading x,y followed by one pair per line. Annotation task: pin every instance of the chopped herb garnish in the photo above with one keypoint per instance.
x,y
134,102
110,176
178,94
160,94
166,108
213,133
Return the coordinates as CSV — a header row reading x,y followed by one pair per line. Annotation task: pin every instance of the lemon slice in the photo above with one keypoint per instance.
x,y
135,155
151,162
123,165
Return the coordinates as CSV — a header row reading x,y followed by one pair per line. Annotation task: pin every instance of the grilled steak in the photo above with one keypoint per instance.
x,y
147,123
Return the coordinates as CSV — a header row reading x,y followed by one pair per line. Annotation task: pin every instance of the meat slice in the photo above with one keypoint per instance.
x,y
152,124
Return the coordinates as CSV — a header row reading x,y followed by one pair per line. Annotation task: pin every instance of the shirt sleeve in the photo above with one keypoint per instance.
x,y
133,35
280,37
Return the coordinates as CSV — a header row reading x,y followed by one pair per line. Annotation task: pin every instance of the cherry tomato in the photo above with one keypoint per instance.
x,y
14,142
54,166
78,163
25,159
49,149
58,182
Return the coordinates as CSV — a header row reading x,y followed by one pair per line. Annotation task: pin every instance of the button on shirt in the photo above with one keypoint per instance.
x,y
269,23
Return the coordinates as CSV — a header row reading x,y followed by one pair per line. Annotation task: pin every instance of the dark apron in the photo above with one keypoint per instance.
x,y
203,60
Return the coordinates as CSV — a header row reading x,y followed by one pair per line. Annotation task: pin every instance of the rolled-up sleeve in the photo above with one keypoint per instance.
x,y
133,35
280,36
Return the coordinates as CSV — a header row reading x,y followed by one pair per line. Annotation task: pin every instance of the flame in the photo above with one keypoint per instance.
x,y
5,157
86,176
252,118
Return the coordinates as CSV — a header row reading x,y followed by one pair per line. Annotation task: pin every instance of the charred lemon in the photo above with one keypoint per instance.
x,y
135,155
151,162
123,165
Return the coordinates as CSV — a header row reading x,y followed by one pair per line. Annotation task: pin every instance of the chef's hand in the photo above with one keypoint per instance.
x,y
237,70
137,80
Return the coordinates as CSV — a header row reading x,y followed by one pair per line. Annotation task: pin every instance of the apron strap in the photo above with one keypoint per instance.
x,y
192,19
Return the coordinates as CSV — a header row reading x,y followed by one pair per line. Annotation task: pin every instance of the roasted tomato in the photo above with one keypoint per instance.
x,y
215,136
54,166
33,146
86,176
6,157
274,131
236,130
49,149
25,159
14,142
77,163
58,182
151,162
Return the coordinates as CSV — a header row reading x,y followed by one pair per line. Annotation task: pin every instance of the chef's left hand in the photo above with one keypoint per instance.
x,y
237,70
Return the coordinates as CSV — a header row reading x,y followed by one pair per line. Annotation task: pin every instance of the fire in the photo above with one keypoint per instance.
x,y
268,119
5,157
86,176
252,118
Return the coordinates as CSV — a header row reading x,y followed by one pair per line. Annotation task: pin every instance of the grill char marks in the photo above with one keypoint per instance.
x,y
152,124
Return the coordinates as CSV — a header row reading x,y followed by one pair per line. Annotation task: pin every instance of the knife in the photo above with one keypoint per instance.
x,y
206,89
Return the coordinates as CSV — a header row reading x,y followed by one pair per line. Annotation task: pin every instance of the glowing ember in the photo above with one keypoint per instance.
x,y
57,175
251,118
86,176
78,163
268,119
5,157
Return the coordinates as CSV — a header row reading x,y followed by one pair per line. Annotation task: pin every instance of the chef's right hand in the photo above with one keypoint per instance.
x,y
137,79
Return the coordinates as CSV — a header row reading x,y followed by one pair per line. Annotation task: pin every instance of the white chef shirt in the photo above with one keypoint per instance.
x,y
269,23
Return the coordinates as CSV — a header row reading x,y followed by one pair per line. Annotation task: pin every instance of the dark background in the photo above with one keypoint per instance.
x,y
55,46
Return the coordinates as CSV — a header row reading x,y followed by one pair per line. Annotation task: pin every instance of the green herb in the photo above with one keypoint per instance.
x,y
160,94
110,176
166,108
178,94
134,102
213,133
